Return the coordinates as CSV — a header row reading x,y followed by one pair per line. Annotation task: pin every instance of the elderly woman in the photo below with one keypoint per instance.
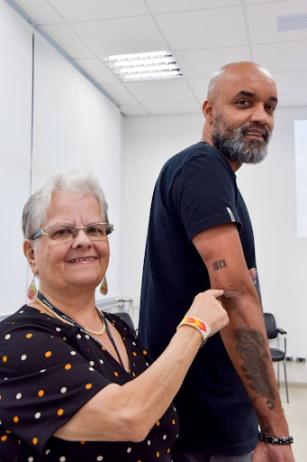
x,y
75,383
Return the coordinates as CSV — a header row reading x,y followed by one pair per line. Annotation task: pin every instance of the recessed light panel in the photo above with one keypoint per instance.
x,y
144,66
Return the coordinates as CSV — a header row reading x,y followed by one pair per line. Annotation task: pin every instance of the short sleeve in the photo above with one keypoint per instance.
x,y
44,383
204,193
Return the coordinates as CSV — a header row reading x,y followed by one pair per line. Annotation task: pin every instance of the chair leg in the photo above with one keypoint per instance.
x,y
286,381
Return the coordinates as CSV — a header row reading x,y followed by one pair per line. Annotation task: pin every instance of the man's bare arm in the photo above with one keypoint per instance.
x,y
245,337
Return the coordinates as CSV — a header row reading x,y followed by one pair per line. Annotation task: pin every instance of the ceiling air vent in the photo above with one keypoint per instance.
x,y
292,22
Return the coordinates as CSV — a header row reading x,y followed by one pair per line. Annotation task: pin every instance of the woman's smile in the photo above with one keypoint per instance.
x,y
83,260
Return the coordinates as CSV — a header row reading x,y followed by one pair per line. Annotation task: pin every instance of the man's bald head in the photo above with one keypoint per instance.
x,y
229,73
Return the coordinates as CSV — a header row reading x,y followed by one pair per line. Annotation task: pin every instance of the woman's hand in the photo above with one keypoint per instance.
x,y
206,307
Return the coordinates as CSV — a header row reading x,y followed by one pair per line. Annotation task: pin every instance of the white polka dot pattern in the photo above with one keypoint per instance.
x,y
62,377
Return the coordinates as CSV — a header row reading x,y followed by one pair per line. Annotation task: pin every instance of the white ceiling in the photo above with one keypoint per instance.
x,y
203,35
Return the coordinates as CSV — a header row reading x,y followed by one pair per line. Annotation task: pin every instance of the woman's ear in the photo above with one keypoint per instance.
x,y
29,253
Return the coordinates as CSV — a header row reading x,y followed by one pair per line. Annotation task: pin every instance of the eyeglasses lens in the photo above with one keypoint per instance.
x,y
97,232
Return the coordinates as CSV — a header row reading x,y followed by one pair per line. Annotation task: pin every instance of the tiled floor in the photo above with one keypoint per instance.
x,y
296,412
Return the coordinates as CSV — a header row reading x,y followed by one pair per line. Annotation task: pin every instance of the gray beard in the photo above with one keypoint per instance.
x,y
235,148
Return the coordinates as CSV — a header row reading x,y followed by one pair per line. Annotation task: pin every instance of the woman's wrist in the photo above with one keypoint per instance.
x,y
189,336
197,324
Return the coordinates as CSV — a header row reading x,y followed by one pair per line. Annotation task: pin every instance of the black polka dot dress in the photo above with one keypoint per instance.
x,y
49,370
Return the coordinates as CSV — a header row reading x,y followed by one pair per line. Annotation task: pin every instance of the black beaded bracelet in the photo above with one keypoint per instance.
x,y
281,440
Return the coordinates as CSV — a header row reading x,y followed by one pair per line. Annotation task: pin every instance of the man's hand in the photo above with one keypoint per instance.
x,y
272,453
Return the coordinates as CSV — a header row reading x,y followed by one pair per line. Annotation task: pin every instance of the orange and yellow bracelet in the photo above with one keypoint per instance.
x,y
198,324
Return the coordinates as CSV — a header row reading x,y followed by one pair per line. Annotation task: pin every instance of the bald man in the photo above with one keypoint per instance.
x,y
200,236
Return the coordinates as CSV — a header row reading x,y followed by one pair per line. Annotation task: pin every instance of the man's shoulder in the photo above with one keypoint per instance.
x,y
201,157
177,162
199,149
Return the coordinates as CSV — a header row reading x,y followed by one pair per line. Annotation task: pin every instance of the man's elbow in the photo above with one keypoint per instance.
x,y
237,299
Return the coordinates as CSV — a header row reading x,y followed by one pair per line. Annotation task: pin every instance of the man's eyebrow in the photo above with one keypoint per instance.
x,y
273,99
245,93
250,94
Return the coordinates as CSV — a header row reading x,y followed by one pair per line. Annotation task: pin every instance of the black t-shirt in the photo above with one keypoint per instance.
x,y
196,190
48,371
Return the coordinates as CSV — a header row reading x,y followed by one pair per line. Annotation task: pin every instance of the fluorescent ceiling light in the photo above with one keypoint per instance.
x,y
144,66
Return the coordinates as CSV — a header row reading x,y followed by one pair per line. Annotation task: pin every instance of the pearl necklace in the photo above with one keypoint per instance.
x,y
71,323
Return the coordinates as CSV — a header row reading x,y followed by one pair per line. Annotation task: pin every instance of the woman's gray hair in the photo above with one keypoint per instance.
x,y
35,209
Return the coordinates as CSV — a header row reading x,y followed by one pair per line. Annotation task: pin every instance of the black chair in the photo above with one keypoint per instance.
x,y
277,354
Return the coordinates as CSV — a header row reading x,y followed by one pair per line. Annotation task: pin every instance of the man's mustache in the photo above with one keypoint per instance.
x,y
259,129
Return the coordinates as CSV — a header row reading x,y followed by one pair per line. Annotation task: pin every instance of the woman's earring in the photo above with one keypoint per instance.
x,y
32,289
104,286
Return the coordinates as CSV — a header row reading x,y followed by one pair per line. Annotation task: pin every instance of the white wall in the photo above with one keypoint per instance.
x,y
75,126
269,190
15,122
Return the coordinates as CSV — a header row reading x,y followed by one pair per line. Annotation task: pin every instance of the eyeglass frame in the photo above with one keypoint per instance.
x,y
40,232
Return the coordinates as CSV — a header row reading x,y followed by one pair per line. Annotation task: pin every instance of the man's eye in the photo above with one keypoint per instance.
x,y
270,108
243,102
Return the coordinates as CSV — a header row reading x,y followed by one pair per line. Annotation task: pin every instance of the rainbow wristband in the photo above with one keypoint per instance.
x,y
198,324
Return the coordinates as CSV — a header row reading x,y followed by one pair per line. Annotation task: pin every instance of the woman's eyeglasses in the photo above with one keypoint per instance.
x,y
67,233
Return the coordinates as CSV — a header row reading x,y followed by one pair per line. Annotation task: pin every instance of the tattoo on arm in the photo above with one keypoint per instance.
x,y
250,346
219,264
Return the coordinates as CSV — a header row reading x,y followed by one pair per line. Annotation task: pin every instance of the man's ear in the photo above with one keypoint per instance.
x,y
29,253
207,111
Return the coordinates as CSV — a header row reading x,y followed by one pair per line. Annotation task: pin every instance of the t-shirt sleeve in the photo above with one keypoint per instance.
x,y
44,383
204,194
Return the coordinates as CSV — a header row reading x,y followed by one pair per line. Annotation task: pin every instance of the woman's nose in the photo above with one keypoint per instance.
x,y
81,239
